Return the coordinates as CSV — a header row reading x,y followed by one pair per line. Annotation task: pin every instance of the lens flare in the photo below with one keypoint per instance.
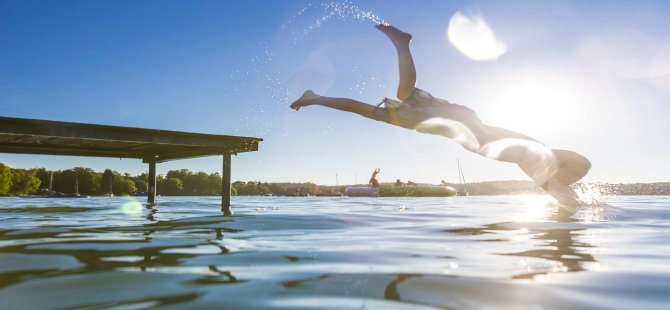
x,y
131,207
473,37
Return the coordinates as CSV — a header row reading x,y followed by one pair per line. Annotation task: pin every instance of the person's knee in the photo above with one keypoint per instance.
x,y
404,93
586,164
573,167
573,159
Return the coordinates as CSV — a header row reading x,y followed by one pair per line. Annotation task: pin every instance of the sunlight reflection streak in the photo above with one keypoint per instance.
x,y
454,130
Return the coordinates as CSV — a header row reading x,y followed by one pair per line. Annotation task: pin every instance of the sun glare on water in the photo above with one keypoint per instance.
x,y
533,208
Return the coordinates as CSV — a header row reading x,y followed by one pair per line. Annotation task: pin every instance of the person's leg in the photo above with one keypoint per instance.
x,y
556,174
542,173
343,104
406,69
553,170
573,166
564,194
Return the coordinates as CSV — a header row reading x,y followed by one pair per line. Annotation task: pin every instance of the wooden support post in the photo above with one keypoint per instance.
x,y
151,197
225,185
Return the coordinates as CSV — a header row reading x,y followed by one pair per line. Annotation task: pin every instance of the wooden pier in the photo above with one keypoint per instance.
x,y
152,146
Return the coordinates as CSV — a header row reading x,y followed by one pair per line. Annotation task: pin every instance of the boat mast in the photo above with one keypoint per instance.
x,y
461,179
111,191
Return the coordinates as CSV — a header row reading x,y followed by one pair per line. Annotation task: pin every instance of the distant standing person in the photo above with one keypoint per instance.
x,y
552,169
373,179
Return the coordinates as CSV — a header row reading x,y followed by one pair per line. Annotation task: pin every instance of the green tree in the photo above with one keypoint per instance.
x,y
309,188
44,176
251,189
141,185
107,182
88,180
182,174
142,182
236,187
123,186
199,184
24,182
161,182
263,189
64,181
215,183
173,187
144,176
55,179
5,179
278,188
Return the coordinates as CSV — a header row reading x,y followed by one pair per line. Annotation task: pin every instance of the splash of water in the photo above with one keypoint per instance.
x,y
340,10
344,11
271,91
591,193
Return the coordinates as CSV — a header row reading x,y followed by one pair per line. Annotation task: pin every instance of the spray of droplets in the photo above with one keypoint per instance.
x,y
270,90
591,193
364,80
343,11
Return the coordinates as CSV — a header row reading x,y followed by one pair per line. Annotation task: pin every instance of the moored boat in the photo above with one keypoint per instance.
x,y
417,191
362,191
400,191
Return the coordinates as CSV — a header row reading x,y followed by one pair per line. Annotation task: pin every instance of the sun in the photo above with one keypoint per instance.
x,y
537,101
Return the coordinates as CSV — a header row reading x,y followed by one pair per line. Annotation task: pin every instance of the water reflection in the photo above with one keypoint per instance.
x,y
391,291
354,252
558,233
558,242
81,257
152,212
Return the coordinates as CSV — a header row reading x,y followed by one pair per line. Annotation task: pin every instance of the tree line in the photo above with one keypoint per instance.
x,y
85,181
182,182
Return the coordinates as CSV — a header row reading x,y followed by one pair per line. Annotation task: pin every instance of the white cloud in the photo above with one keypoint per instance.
x,y
473,37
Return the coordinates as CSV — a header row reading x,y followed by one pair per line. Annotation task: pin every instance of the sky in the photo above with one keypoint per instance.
x,y
588,76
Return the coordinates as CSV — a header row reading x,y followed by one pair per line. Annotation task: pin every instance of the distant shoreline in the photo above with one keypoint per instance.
x,y
487,188
515,187
183,182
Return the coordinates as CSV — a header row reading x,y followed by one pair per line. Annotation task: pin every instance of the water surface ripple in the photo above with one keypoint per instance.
x,y
500,252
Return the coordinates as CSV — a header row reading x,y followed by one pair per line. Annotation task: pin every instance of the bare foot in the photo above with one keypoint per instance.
x,y
393,33
308,98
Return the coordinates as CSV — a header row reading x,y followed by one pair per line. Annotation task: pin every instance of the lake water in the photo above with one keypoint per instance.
x,y
498,252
